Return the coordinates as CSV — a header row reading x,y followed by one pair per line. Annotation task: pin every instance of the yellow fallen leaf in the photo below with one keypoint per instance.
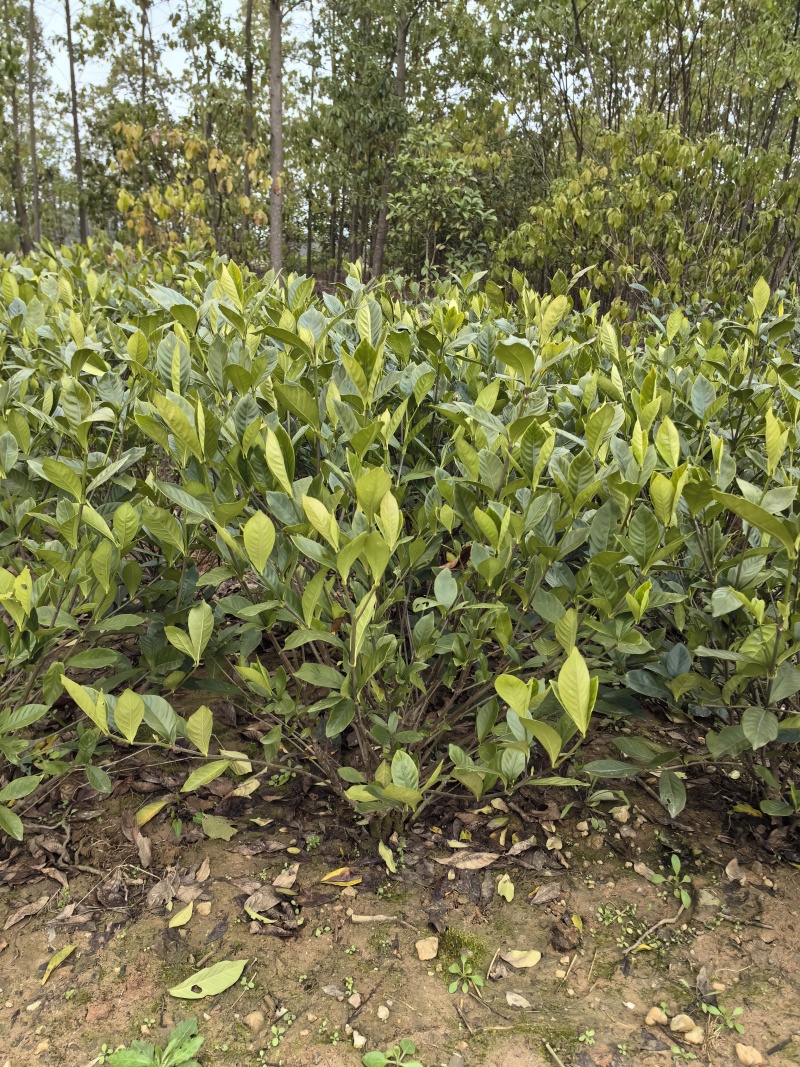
x,y
520,958
56,960
343,876
149,811
182,917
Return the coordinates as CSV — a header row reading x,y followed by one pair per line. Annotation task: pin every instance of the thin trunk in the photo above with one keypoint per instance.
x,y
248,100
213,204
36,210
143,55
20,207
276,137
382,229
83,227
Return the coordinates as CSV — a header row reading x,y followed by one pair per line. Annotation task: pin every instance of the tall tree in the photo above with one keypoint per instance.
x,y
275,136
34,162
83,227
248,99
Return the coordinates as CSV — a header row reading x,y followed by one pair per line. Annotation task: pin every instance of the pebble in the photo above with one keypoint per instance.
x,y
718,987
561,974
355,1000
34,1007
456,1060
383,1012
748,1055
656,1017
427,948
359,1041
621,814
682,1024
44,1046
696,1036
255,1021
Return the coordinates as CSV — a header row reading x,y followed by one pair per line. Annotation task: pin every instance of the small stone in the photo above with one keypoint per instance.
x,y
203,907
706,899
570,992
427,948
582,827
144,1029
349,892
304,1033
456,1060
255,1021
596,842
34,1006
748,1055
696,1036
383,1013
561,974
718,987
44,1046
681,1024
621,814
656,1017
311,1017
564,960
355,1000
359,1041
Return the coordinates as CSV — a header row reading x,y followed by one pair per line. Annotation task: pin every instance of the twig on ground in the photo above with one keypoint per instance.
x,y
463,1018
554,1054
745,922
589,976
656,926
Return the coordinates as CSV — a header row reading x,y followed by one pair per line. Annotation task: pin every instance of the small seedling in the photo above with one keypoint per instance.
x,y
466,976
181,1048
397,1055
727,1017
677,881
679,1054
312,843
587,1037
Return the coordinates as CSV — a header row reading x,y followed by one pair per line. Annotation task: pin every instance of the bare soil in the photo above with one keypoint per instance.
x,y
736,947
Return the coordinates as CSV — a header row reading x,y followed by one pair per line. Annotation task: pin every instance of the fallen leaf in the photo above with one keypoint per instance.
x,y
545,893
387,856
287,878
516,1000
219,931
553,843
470,861
203,870
130,829
332,991
246,788
182,917
735,872
210,981
149,811
25,912
520,957
522,846
343,876
57,960
217,828
427,948
505,887
261,901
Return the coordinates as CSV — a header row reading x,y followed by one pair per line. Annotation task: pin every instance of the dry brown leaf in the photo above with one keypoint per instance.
x,y
545,893
203,870
521,846
516,1000
472,861
287,878
735,872
25,912
262,900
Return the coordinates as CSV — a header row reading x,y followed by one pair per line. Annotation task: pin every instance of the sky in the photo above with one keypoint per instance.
x,y
51,16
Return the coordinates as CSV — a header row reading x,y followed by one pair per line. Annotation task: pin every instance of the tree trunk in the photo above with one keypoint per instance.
x,y
275,137
83,228
382,229
20,208
35,206
248,100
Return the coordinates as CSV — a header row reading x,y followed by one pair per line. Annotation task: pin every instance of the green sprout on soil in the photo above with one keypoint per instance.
x,y
677,881
587,1037
397,1055
466,977
726,1017
181,1048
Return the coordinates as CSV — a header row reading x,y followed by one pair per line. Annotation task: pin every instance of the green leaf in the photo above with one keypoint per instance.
x,y
611,768
576,690
759,518
259,540
211,981
217,828
339,718
672,792
404,770
760,727
201,627
760,297
62,476
209,772
198,728
320,674
10,823
95,709
371,488
20,787
514,692
445,588
548,738
387,856
299,401
128,714
277,463
374,1059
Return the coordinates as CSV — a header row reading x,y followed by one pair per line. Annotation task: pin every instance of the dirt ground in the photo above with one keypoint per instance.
x,y
316,974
